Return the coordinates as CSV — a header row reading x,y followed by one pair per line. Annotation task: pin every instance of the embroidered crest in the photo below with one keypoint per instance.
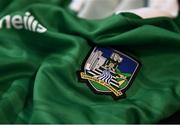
x,y
109,71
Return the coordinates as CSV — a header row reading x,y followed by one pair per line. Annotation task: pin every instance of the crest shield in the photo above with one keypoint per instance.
x,y
109,71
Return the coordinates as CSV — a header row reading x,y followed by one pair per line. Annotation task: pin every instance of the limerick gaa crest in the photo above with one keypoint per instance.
x,y
109,71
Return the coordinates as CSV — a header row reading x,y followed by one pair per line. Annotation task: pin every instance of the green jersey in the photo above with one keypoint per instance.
x,y
43,45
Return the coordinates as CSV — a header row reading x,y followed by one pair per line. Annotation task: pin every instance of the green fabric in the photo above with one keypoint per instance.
x,y
38,80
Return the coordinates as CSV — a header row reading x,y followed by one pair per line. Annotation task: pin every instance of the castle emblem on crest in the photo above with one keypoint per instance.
x,y
109,71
